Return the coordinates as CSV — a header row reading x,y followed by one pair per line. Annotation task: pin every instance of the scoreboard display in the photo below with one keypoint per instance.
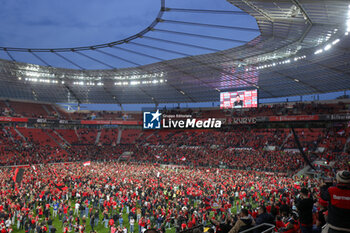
x,y
239,99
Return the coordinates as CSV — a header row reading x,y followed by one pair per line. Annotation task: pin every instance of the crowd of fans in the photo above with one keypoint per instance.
x,y
236,159
128,197
257,138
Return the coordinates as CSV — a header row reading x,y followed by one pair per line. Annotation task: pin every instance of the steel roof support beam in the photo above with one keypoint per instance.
x,y
257,9
181,43
117,57
160,49
297,3
68,60
40,59
138,53
183,10
201,36
9,55
210,25
94,59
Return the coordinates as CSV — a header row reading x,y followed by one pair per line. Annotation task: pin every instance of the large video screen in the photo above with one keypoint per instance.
x,y
239,99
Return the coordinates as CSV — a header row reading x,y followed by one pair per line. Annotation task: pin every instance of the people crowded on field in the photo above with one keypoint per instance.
x,y
116,195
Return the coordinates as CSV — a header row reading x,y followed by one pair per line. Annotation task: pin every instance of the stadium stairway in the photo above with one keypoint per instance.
x,y
14,134
46,110
20,134
8,133
9,106
62,138
55,139
98,137
303,171
149,136
125,156
76,133
307,170
55,109
285,140
119,136
138,137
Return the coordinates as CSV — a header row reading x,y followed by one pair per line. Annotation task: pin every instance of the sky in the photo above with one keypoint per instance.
x,y
57,24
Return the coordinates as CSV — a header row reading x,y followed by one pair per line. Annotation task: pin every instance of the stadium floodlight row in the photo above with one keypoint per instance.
x,y
303,48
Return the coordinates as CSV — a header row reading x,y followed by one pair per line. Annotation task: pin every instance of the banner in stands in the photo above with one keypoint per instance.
x,y
51,121
336,117
295,118
83,122
42,121
241,148
68,122
13,119
291,150
109,122
244,120
270,148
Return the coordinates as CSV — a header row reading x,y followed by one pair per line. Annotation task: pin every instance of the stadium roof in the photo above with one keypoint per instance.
x,y
303,48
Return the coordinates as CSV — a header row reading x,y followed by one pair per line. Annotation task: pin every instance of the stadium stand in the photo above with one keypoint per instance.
x,y
35,110
109,136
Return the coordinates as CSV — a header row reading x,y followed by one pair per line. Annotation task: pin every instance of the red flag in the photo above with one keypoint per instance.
x,y
18,176
87,163
61,187
341,132
15,175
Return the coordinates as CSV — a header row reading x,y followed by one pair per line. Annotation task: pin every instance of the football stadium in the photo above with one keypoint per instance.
x,y
183,116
